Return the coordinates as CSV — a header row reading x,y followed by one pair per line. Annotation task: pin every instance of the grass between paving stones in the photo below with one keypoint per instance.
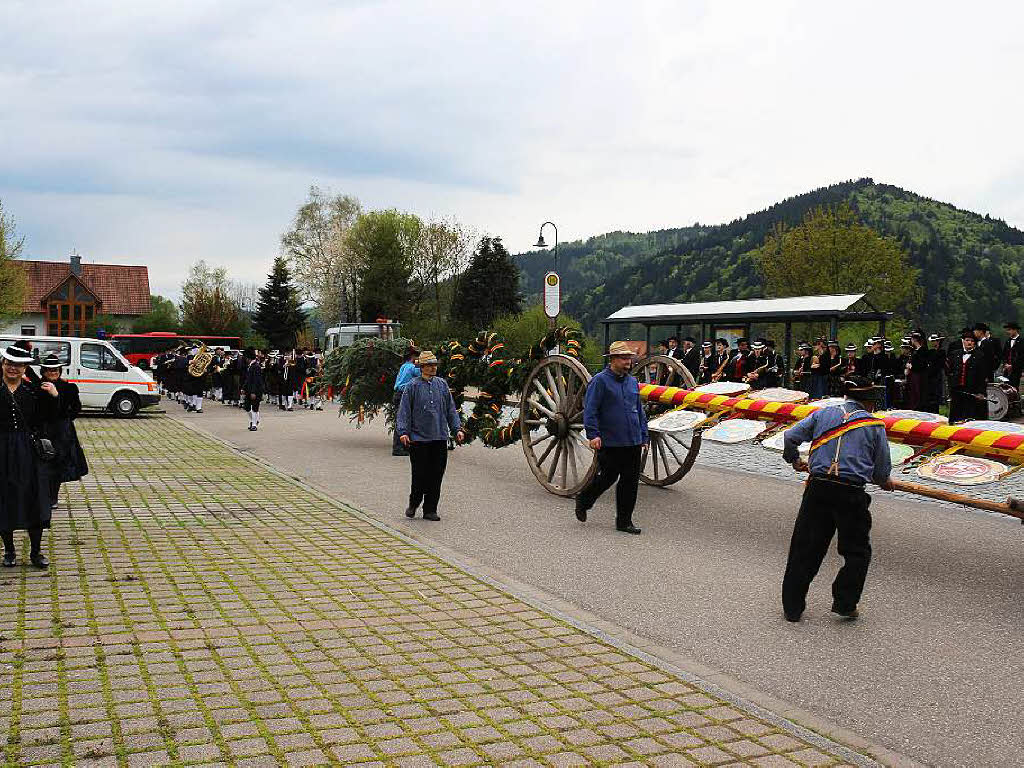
x,y
202,608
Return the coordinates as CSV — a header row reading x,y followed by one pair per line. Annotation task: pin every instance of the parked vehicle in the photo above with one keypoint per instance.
x,y
344,335
104,377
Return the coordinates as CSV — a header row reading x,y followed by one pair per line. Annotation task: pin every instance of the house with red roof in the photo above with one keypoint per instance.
x,y
63,297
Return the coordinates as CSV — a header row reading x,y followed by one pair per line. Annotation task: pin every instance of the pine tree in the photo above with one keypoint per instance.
x,y
278,316
489,288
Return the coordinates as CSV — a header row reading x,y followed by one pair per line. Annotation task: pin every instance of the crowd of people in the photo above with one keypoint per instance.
x,y
922,374
39,447
190,375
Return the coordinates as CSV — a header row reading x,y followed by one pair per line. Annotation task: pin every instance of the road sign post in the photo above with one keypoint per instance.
x,y
552,299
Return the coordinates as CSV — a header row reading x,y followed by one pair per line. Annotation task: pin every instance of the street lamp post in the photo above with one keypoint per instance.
x,y
552,282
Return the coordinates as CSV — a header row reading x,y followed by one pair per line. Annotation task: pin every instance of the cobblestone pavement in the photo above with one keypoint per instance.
x,y
202,609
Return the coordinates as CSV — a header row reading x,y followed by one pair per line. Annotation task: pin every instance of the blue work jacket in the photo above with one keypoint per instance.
x,y
863,453
613,411
427,411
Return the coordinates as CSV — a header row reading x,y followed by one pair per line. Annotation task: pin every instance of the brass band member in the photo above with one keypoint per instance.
x,y
721,359
706,367
739,363
802,367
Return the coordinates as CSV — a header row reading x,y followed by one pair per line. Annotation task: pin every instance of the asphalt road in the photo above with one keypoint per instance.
x,y
934,669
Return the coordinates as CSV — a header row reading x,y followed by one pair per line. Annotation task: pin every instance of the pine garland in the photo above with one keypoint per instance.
x,y
365,374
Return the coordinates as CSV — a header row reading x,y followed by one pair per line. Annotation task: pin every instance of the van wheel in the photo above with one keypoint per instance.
x,y
124,405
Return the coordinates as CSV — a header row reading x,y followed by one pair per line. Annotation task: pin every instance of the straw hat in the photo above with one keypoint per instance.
x,y
619,348
426,358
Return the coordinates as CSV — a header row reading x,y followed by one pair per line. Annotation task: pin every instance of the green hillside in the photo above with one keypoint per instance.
x,y
972,265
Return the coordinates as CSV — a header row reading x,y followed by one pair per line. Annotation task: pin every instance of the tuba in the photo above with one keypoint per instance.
x,y
197,365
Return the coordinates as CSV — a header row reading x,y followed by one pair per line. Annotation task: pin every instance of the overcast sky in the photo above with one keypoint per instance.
x,y
161,133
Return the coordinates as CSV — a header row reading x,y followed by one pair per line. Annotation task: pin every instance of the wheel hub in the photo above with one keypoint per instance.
x,y
557,426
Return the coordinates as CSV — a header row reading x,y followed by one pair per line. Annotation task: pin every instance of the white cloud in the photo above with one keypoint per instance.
x,y
162,133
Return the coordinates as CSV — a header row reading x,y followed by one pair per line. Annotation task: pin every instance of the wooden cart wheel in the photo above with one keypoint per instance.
x,y
670,454
551,425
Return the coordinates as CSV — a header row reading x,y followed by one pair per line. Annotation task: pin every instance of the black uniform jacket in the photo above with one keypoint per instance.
x,y
969,375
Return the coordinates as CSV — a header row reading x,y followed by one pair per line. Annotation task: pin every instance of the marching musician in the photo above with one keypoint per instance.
x,y
802,367
706,366
758,362
721,359
935,391
988,350
968,382
849,449
851,363
1013,354
739,364
835,368
918,364
820,365
673,350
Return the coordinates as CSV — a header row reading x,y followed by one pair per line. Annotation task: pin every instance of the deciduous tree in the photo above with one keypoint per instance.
x,y
442,251
316,249
162,316
382,244
13,281
208,306
831,252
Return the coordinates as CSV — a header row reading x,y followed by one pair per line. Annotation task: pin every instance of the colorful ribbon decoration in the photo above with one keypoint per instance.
x,y
990,444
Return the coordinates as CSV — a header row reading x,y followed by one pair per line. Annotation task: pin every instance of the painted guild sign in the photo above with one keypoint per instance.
x,y
552,294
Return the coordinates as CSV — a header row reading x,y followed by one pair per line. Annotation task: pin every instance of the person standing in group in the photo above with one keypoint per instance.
x,y
406,373
821,363
802,368
849,449
835,368
616,426
917,372
1013,354
987,349
706,366
25,496
968,382
69,464
427,417
691,355
935,389
252,387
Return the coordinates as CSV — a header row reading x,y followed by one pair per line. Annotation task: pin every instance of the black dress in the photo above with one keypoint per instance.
x,y
70,463
24,495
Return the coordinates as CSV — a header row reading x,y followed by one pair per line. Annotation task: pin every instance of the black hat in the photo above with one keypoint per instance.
x,y
980,327
706,344
851,347
672,338
967,334
1011,326
722,341
919,335
757,345
742,340
688,338
804,345
859,388
51,360
833,343
18,352
936,337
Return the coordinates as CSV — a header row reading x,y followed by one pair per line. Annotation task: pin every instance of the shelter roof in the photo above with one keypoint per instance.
x,y
793,307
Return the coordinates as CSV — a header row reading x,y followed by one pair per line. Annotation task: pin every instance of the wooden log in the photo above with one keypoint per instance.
x,y
1012,507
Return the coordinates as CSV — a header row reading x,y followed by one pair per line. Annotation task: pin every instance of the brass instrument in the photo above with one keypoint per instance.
x,y
197,365
721,369
754,374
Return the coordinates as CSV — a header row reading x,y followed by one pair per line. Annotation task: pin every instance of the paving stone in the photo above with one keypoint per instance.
x,y
311,620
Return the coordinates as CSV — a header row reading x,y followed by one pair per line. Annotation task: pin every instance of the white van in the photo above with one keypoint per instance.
x,y
104,378
342,336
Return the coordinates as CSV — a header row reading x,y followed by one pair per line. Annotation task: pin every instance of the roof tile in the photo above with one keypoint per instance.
x,y
122,290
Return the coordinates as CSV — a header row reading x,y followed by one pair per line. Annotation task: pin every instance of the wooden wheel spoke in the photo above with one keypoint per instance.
x,y
543,409
547,450
541,439
571,446
554,461
565,463
546,395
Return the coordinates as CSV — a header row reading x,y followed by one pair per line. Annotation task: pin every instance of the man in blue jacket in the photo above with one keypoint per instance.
x,y
616,426
426,418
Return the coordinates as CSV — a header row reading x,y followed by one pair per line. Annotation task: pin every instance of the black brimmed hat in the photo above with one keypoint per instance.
x,y
967,334
851,347
833,343
859,388
981,327
51,360
757,345
936,337
18,352
1011,326
706,345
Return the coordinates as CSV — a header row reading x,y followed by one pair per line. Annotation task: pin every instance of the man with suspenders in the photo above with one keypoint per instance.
x,y
849,449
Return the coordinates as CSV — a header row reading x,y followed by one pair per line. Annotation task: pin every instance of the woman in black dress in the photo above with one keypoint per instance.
x,y
24,495
70,461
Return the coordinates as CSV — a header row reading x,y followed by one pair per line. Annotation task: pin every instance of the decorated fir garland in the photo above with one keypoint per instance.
x,y
364,374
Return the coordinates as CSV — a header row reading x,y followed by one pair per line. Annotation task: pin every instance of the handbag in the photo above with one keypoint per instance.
x,y
42,447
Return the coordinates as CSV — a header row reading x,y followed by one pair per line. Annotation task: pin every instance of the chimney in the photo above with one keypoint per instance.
x,y
76,264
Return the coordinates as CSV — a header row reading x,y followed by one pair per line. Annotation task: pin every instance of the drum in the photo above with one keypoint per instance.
x,y
1003,401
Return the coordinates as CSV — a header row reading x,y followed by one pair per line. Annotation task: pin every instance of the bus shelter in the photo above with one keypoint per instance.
x,y
733,319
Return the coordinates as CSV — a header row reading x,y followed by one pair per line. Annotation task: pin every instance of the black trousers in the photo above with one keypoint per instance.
x,y
35,537
429,461
617,463
828,507
964,405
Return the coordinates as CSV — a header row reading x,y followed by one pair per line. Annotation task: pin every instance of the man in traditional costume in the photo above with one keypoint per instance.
x,y
968,383
849,449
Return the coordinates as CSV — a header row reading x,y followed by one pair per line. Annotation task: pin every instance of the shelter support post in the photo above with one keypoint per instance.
x,y
607,335
787,351
647,339
833,330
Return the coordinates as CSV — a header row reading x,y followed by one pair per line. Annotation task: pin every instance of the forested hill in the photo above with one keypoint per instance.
x,y
972,266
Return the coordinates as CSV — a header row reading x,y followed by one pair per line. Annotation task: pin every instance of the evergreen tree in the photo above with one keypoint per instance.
x,y
489,288
383,244
278,316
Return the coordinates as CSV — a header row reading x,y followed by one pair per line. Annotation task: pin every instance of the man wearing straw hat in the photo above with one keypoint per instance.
x,y
427,416
616,426
849,449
